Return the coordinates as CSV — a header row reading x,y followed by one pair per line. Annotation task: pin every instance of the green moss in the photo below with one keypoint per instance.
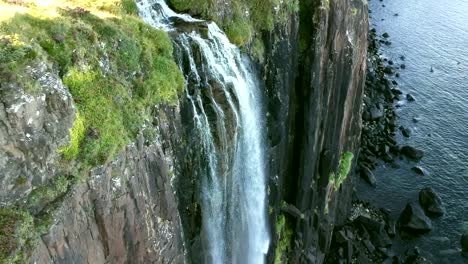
x,y
344,168
248,17
77,134
16,228
258,50
57,187
284,234
21,180
116,67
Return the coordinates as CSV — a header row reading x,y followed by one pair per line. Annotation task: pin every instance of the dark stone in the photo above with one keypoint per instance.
x,y
397,75
402,58
412,153
340,237
396,14
390,62
431,202
368,244
420,170
464,245
406,132
387,158
388,70
394,82
410,98
413,219
375,229
376,113
366,116
368,176
363,259
397,91
403,66
385,35
391,228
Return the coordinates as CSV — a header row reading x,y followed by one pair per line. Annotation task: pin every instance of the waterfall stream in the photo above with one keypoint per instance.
x,y
225,97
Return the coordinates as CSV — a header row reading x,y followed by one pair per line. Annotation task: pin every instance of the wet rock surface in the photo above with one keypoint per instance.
x,y
464,245
431,202
413,220
412,152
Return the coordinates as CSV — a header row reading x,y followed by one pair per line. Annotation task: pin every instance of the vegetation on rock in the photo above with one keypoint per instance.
x,y
246,19
284,234
117,69
346,162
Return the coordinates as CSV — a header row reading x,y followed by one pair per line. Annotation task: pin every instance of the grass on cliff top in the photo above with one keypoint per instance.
x,y
248,17
116,67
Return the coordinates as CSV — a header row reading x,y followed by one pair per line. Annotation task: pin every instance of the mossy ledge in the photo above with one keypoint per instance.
x,y
117,69
245,19
346,162
284,234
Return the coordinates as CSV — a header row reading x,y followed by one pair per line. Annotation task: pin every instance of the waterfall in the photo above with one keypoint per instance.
x,y
224,94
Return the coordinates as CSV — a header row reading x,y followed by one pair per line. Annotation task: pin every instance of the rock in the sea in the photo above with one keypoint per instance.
x,y
368,176
396,91
412,153
420,170
413,219
410,98
385,35
406,132
388,70
375,229
416,119
464,245
430,201
403,66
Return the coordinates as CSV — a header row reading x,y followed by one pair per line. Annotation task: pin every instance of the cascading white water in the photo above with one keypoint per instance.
x,y
225,100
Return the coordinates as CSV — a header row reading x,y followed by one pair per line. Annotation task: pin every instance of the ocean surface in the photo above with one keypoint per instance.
x,y
428,33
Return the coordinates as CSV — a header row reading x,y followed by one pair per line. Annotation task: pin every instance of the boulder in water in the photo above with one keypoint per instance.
x,y
406,132
464,245
412,153
413,219
430,201
367,175
420,170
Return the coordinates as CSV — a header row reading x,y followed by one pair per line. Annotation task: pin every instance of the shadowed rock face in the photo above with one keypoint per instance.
x,y
327,102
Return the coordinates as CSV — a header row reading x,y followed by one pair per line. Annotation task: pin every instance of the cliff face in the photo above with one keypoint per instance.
x,y
126,212
143,205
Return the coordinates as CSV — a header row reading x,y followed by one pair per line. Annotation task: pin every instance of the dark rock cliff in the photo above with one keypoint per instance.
x,y
144,206
315,77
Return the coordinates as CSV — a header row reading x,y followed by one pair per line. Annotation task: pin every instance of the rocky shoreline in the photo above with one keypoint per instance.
x,y
370,232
